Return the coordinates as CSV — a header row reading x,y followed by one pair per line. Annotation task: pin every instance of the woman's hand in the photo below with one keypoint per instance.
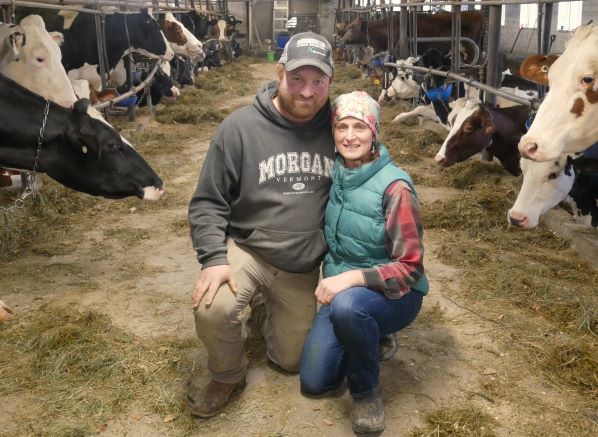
x,y
330,287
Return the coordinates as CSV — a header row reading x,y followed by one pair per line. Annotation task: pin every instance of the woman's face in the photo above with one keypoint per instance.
x,y
353,139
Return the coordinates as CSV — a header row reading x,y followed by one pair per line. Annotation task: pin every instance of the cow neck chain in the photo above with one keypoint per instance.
x,y
20,201
129,48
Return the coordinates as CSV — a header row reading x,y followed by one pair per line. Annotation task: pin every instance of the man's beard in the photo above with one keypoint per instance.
x,y
296,109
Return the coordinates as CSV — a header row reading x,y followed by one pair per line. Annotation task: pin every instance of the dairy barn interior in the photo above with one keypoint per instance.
x,y
97,331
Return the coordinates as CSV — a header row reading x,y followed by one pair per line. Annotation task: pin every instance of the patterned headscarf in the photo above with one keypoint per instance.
x,y
360,105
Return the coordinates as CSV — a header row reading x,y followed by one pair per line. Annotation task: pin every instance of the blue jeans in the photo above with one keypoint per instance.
x,y
344,338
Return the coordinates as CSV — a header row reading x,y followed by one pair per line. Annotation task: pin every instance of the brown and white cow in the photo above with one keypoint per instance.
x,y
476,127
535,68
429,25
566,121
181,40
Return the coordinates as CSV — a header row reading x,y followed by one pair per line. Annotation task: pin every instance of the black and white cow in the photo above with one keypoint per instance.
x,y
161,85
78,151
570,178
139,32
198,24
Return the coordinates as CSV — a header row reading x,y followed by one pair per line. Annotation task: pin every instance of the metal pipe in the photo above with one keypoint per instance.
x,y
456,41
532,103
403,35
470,3
492,73
129,93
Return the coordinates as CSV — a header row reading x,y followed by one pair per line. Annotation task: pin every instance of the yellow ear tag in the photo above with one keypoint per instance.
x,y
84,149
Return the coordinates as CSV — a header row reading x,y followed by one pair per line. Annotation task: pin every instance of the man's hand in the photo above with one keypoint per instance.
x,y
328,288
209,281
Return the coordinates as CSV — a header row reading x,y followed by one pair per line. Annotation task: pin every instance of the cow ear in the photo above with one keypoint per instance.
x,y
81,106
488,125
58,37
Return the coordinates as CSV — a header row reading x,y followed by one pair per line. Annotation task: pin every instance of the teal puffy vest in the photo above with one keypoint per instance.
x,y
354,227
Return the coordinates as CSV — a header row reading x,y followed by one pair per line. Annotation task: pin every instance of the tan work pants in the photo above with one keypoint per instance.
x,y
290,304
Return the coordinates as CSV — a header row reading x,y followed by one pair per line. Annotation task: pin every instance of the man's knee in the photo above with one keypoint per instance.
x,y
215,316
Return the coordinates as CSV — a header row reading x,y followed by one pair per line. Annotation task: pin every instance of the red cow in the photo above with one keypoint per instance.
x,y
429,25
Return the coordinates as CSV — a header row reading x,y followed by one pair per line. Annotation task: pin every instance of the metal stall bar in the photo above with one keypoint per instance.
x,y
532,103
132,91
456,41
492,73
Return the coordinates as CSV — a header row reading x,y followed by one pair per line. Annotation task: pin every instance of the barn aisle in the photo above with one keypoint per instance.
x,y
104,339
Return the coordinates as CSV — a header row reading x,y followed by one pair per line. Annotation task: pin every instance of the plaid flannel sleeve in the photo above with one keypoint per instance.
x,y
403,243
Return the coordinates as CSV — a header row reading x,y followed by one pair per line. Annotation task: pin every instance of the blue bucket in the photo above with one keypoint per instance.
x,y
282,40
441,93
129,101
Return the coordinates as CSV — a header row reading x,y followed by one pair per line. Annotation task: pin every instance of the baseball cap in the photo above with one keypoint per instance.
x,y
308,48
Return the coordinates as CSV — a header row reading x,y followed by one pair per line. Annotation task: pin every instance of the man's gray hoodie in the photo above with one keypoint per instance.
x,y
265,183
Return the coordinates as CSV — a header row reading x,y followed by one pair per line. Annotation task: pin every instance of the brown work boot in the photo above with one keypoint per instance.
x,y
214,398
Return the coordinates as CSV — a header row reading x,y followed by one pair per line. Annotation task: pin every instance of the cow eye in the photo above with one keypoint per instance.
x,y
552,176
544,69
587,80
468,128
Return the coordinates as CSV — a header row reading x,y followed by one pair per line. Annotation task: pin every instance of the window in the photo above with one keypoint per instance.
x,y
569,17
528,16
478,7
503,15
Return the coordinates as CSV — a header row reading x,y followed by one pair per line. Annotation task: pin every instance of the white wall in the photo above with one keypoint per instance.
x,y
527,43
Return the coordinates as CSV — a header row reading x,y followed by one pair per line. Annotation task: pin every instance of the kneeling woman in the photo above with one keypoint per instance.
x,y
374,278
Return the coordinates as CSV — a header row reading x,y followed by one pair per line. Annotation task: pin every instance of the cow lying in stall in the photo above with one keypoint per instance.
x,y
475,127
81,152
566,119
570,178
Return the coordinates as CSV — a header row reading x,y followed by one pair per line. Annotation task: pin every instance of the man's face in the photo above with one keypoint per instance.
x,y
302,93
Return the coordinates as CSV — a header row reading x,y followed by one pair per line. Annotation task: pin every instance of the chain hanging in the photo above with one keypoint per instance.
x,y
29,189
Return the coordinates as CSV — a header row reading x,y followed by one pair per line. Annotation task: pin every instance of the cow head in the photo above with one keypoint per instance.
x,y
172,31
146,36
35,61
191,46
471,130
566,119
95,160
545,184
535,68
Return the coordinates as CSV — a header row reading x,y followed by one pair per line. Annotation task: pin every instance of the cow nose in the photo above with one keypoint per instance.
x,y
528,148
516,218
440,159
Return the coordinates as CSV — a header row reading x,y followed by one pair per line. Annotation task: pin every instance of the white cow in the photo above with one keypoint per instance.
x,y
34,60
402,86
545,184
566,121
